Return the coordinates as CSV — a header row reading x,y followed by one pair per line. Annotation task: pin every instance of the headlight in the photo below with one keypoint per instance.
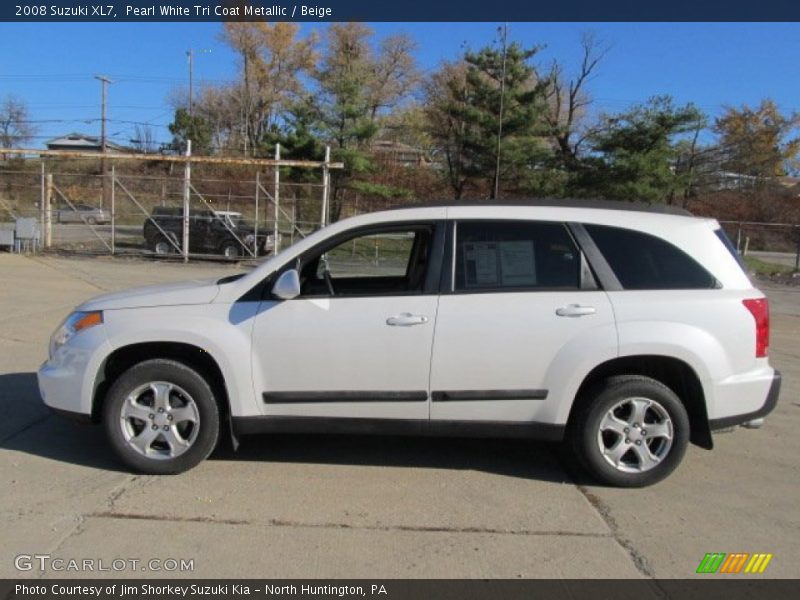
x,y
77,321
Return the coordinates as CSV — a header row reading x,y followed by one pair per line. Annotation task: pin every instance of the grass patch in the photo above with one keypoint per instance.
x,y
760,267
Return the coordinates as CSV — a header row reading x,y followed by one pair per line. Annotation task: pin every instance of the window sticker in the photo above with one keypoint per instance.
x,y
497,264
517,263
480,264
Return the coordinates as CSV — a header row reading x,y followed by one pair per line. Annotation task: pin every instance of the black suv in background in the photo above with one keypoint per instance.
x,y
210,232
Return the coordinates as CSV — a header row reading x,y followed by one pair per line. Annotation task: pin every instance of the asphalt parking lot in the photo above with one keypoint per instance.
x,y
326,506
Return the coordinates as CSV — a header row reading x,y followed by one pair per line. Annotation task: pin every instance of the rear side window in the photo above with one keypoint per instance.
x,y
514,255
645,262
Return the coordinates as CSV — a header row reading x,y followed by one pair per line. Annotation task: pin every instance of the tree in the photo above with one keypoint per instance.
x,y
219,106
355,87
274,60
15,125
144,139
567,104
464,103
756,141
634,153
190,127
445,104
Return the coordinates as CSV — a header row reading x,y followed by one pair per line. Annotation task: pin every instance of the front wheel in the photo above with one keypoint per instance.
x,y
632,432
161,417
163,246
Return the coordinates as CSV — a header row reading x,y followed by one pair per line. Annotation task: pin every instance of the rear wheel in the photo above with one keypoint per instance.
x,y
632,432
161,417
230,249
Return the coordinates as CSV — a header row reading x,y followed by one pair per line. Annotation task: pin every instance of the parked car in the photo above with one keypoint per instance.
x,y
83,213
625,333
210,232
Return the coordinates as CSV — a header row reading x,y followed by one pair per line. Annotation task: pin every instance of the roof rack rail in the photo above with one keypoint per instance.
x,y
557,202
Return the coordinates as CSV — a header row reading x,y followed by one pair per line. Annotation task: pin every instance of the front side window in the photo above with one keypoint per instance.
x,y
645,262
388,262
515,255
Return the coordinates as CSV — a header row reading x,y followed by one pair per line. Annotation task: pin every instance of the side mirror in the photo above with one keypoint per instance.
x,y
287,286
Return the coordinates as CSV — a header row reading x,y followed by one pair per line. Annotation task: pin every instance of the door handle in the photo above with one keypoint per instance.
x,y
406,320
575,310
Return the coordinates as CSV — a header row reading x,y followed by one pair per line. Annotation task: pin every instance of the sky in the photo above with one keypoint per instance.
x,y
51,66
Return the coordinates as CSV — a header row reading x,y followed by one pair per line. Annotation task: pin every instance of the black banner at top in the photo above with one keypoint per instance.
x,y
396,10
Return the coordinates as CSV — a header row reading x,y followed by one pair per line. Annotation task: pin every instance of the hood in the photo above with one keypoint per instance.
x,y
200,291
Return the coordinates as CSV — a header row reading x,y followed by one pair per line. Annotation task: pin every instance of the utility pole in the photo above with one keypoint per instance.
x,y
104,81
190,54
504,31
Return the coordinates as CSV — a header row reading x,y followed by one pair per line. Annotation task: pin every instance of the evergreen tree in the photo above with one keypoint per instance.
x,y
634,153
190,127
492,105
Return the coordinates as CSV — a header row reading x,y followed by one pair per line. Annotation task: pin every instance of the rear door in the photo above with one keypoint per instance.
x,y
520,299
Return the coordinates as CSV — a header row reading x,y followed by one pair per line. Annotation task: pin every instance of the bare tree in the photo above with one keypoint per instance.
x,y
569,100
144,139
394,73
273,61
15,124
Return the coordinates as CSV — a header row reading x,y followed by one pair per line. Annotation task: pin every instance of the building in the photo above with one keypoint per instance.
x,y
790,184
398,153
82,142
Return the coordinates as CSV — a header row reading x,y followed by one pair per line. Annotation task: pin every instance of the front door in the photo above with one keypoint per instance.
x,y
357,342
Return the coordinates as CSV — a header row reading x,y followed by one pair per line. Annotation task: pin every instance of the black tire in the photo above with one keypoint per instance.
x,y
157,461
230,249
666,410
162,245
91,220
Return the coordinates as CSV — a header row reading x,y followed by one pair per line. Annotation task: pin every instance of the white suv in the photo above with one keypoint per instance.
x,y
626,332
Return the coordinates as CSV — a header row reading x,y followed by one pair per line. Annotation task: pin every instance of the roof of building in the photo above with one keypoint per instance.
x,y
82,141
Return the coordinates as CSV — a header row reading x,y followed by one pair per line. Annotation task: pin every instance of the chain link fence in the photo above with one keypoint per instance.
x,y
236,208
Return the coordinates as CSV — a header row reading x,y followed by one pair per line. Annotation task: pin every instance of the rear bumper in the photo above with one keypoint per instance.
x,y
766,408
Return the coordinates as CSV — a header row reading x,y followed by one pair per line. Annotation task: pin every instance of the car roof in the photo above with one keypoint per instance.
x,y
554,203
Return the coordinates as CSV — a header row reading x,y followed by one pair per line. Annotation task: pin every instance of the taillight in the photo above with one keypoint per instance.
x,y
759,308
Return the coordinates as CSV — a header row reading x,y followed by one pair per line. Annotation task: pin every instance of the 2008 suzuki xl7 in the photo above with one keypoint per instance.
x,y
627,333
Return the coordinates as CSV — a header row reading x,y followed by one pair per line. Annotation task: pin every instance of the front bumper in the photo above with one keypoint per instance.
x,y
67,380
769,405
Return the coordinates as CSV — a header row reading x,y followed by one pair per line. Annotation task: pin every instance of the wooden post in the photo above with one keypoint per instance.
x,y
276,230
113,210
187,184
294,220
42,195
255,221
797,253
48,214
325,187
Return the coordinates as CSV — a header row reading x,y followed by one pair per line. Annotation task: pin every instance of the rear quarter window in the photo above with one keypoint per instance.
x,y
726,241
645,262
